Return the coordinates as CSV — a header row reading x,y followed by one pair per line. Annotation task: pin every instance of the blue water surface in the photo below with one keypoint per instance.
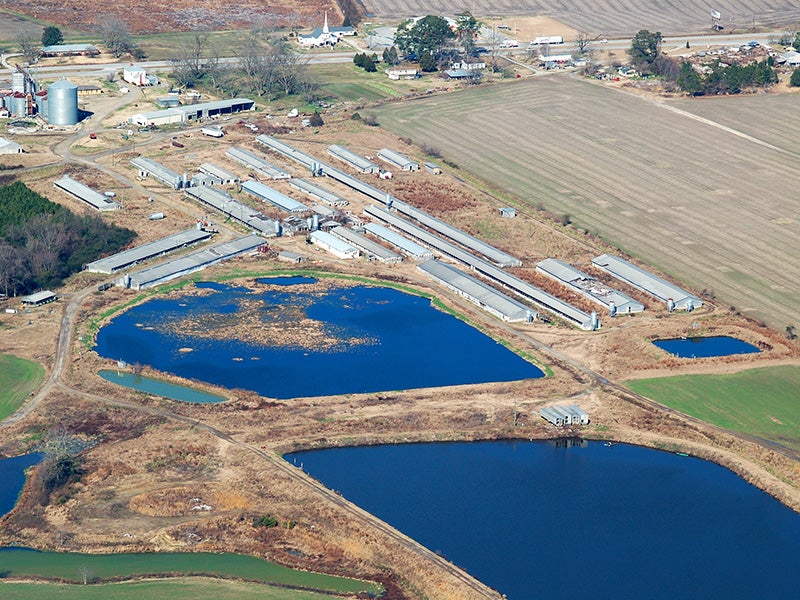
x,y
389,340
12,478
157,387
704,347
534,520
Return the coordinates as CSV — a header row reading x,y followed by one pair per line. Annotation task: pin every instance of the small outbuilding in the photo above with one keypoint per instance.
x,y
39,298
508,212
9,147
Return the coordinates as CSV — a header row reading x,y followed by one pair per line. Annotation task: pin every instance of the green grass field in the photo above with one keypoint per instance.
x,y
761,402
349,82
172,589
18,378
21,563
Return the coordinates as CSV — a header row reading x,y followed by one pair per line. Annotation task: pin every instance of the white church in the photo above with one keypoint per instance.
x,y
324,36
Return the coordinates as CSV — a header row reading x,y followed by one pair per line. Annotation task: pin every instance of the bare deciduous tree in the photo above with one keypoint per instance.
x,y
29,45
116,36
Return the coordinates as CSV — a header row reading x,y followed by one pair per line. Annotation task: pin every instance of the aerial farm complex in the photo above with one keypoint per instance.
x,y
224,254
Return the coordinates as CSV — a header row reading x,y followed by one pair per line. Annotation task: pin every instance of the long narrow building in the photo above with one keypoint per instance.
x,y
190,263
222,201
615,302
477,292
371,248
359,163
85,193
674,297
274,197
406,246
147,166
129,258
256,163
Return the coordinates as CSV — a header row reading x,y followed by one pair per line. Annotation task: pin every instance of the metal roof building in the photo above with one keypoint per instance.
x,y
237,211
39,298
148,166
675,297
190,112
397,160
317,192
333,244
85,193
359,163
9,147
258,164
286,150
226,177
616,302
128,258
522,288
369,247
570,414
70,50
477,292
266,193
406,246
192,262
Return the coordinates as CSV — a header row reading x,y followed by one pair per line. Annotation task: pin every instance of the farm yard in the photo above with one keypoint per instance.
x,y
657,183
606,17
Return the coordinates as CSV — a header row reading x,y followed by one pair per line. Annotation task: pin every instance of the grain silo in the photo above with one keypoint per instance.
x,y
62,103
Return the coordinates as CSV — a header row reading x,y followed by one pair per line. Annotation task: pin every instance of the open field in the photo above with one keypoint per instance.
x,y
761,402
175,589
767,117
607,17
703,204
68,566
18,378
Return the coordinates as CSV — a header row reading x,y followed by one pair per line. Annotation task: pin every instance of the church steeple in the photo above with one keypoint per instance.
x,y
325,26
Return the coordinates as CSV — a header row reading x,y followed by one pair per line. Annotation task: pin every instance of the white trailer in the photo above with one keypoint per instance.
x,y
212,131
547,39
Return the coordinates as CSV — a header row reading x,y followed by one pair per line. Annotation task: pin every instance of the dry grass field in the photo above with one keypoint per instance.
x,y
607,17
711,208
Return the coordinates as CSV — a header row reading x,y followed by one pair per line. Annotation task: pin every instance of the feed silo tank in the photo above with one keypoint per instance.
x,y
62,103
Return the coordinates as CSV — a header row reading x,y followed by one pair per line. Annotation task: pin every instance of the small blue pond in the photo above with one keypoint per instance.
x,y
12,478
546,520
160,388
320,340
704,347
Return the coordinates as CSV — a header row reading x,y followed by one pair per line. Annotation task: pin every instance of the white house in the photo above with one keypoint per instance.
x,y
135,75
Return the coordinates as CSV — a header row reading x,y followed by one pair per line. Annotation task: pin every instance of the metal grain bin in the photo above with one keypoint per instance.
x,y
62,103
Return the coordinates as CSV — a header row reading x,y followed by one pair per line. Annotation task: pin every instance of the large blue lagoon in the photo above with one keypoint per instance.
x,y
540,520
306,340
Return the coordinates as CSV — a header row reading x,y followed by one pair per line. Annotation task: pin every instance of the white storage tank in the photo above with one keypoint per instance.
x,y
62,103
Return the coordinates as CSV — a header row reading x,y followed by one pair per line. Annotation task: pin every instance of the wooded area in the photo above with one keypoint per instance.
x,y
42,243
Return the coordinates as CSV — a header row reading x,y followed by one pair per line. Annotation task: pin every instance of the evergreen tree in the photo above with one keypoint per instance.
x,y
51,36
794,81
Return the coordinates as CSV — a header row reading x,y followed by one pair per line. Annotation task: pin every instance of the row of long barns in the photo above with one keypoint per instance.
x,y
431,232
413,233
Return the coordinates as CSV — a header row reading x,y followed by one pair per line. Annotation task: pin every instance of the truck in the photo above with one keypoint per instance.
x,y
509,44
212,131
547,39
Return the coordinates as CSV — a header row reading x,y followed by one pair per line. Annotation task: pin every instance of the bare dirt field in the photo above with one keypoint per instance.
x,y
707,204
605,17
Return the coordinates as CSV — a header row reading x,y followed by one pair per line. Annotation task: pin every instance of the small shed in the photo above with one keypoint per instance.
x,y
508,212
291,257
9,147
433,168
39,298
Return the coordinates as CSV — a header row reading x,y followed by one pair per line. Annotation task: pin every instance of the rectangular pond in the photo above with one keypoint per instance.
x,y
705,347
157,387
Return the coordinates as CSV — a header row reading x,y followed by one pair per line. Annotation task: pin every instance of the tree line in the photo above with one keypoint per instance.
x,y
43,243
716,78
